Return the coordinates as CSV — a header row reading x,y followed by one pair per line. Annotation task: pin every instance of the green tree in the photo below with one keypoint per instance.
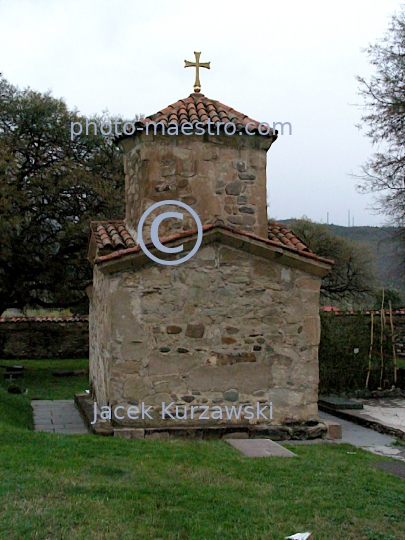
x,y
390,295
351,278
50,189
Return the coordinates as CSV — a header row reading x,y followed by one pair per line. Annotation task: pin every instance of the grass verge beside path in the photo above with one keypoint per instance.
x,y
40,382
15,411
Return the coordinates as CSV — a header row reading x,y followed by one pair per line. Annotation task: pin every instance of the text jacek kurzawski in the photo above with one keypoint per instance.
x,y
259,411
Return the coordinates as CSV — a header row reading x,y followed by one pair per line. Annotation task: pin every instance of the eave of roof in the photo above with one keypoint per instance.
x,y
111,236
342,313
235,238
197,108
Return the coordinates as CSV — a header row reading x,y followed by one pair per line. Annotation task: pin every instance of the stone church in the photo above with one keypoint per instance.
x,y
235,329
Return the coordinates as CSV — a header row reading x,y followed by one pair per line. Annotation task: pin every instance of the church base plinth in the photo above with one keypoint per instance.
x,y
292,431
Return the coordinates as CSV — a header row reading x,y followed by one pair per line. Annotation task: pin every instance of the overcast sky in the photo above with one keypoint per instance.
x,y
290,61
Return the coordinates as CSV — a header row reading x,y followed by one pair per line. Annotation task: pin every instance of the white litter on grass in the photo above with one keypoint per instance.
x,y
299,536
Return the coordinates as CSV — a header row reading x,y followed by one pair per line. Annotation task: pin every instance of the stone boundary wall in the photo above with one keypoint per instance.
x,y
44,337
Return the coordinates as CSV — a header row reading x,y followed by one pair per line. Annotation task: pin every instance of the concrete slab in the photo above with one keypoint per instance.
x,y
66,423
389,412
42,407
71,431
58,416
367,439
385,415
398,469
65,419
358,435
339,403
259,448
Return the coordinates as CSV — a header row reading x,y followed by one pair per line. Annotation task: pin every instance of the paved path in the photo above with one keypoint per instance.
x,y
59,416
390,411
366,438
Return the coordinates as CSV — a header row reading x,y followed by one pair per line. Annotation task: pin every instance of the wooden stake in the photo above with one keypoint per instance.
x,y
370,352
382,323
394,352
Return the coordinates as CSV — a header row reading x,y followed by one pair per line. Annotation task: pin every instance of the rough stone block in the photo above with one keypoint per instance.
x,y
242,220
231,395
246,210
135,388
235,358
172,329
334,429
159,435
189,199
129,433
195,331
228,340
234,188
245,176
240,166
236,435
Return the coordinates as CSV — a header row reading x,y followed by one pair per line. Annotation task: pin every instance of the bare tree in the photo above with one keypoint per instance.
x,y
384,118
352,277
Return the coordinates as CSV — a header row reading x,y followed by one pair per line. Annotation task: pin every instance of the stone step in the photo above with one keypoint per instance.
x,y
334,429
339,403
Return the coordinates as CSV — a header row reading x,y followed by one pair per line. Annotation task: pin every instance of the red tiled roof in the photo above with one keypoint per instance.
x,y
369,311
113,239
280,234
77,318
198,108
112,235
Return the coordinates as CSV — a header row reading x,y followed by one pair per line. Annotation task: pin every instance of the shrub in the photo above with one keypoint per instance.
x,y
341,369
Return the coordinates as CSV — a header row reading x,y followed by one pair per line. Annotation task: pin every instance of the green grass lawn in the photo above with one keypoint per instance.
x,y
87,487
40,382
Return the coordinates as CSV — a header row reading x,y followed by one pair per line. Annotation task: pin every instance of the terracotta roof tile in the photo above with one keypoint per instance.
x,y
111,235
342,312
279,233
198,108
113,238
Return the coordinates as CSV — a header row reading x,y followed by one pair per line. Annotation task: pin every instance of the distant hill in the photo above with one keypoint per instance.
x,y
385,246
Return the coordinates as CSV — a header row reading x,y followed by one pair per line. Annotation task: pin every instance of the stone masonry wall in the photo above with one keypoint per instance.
x,y
225,328
99,334
220,177
33,339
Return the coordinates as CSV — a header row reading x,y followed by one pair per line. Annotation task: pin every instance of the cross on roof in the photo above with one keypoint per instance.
x,y
197,65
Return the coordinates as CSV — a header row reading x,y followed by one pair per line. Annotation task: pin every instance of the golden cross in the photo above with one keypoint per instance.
x,y
197,65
